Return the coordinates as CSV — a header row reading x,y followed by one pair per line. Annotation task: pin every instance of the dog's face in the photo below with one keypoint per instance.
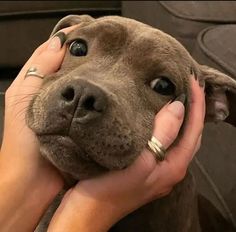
x,y
96,113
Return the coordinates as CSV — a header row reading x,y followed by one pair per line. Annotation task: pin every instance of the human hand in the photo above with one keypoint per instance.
x,y
108,198
25,175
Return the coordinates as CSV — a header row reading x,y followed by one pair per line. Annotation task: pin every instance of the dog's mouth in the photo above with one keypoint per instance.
x,y
67,156
63,142
73,154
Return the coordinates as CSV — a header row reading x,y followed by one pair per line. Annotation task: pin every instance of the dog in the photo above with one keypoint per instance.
x,y
96,113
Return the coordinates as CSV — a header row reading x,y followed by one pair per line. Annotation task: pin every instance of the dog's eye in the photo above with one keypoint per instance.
x,y
163,86
78,48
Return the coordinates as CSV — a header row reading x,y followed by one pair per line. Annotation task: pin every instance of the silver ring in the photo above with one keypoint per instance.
x,y
33,71
155,146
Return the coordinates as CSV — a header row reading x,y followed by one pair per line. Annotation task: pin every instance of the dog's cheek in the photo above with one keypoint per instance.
x,y
35,115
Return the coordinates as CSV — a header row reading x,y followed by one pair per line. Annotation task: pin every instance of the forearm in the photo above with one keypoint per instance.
x,y
80,212
23,198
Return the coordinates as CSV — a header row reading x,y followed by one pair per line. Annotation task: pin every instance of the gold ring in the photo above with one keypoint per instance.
x,y
33,72
155,146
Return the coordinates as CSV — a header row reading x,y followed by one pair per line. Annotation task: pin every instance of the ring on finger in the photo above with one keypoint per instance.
x,y
155,146
33,71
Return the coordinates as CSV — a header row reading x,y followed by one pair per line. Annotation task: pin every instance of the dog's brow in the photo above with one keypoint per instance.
x,y
98,28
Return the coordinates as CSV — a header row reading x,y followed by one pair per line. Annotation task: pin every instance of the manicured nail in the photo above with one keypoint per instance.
x,y
202,83
57,42
191,70
193,73
177,108
181,98
62,37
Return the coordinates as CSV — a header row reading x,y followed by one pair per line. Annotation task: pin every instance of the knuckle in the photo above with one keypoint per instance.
x,y
39,49
178,173
8,93
198,146
157,193
168,191
185,148
169,137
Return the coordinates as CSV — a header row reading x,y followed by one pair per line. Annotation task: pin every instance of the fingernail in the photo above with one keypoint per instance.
x,y
62,37
177,107
57,42
181,98
191,70
193,73
202,84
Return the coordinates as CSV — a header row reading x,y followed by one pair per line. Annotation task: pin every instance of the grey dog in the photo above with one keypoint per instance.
x,y
96,113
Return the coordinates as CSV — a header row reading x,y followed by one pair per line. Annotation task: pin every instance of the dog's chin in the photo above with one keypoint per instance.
x,y
73,160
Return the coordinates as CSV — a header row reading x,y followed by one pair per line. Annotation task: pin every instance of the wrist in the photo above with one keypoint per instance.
x,y
81,212
24,194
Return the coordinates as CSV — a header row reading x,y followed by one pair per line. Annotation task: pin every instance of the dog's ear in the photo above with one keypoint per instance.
x,y
220,95
71,20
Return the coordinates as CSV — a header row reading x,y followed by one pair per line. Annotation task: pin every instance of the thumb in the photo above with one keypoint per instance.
x,y
169,120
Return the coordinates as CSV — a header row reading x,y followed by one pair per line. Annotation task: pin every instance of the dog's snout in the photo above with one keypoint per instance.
x,y
86,100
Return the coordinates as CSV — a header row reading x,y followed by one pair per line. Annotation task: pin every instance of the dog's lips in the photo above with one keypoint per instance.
x,y
68,157
61,149
47,140
62,152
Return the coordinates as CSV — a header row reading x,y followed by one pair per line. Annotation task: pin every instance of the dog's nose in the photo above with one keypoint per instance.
x,y
86,100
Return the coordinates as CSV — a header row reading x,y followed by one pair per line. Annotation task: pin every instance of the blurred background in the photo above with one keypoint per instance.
x,y
206,28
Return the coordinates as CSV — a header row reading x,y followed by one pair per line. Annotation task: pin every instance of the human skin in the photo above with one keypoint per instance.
x,y
29,183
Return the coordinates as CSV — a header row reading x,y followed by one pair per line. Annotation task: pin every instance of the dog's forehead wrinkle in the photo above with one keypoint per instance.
x,y
153,46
